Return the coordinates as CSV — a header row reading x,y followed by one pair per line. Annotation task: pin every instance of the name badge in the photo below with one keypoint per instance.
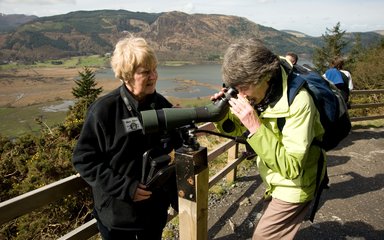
x,y
132,124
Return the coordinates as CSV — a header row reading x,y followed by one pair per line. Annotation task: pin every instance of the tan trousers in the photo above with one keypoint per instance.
x,y
280,220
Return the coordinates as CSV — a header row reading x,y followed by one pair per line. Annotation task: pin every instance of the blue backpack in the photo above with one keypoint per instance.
x,y
328,99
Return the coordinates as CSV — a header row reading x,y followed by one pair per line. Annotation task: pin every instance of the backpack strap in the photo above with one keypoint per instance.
x,y
294,84
294,81
320,186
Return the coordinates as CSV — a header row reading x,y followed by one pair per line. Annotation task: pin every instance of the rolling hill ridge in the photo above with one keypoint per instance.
x,y
173,35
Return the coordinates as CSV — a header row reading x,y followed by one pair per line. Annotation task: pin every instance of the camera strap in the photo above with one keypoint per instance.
x,y
132,123
125,99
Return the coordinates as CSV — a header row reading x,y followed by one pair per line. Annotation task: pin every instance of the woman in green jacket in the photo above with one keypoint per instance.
x,y
287,160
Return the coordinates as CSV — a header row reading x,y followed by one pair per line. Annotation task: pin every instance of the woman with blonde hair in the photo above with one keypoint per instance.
x,y
112,149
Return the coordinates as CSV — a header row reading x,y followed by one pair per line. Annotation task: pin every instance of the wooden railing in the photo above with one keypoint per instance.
x,y
35,199
367,105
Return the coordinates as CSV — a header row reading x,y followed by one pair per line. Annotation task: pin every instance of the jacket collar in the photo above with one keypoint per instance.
x,y
148,103
281,108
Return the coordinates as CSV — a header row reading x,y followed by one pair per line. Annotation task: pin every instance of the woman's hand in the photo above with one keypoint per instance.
x,y
218,95
245,112
141,194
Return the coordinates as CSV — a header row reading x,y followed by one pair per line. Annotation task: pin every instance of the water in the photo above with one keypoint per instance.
x,y
62,107
188,81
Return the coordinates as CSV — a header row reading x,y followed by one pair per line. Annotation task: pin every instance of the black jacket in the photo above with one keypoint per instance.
x,y
108,155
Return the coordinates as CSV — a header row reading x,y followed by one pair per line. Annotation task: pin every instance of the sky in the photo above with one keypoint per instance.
x,y
312,17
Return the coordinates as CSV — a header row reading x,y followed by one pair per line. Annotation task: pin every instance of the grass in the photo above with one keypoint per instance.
x,y
368,124
15,122
81,61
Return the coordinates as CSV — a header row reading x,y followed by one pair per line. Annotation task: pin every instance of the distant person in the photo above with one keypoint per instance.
x,y
287,159
338,78
292,57
349,76
109,154
346,73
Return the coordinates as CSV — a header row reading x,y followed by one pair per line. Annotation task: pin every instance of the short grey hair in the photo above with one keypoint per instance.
x,y
247,62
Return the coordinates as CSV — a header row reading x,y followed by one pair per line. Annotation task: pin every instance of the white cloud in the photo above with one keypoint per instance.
x,y
38,2
189,8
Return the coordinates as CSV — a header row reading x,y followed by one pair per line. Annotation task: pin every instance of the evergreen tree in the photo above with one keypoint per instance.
x,y
86,86
86,93
334,43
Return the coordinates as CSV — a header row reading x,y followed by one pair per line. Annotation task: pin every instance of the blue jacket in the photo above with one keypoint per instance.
x,y
334,75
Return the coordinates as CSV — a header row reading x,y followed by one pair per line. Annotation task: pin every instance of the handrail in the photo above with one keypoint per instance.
x,y
27,202
85,231
367,105
366,92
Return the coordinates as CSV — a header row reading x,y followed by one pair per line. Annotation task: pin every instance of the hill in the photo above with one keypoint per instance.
x,y
11,21
295,33
381,32
174,35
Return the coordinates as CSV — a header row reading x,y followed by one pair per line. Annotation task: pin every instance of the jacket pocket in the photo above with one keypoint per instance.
x,y
115,213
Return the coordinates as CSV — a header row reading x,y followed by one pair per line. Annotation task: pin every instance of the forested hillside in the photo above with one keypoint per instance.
x,y
174,35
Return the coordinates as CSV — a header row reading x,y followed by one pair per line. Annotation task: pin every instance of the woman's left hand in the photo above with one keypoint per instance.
x,y
245,112
141,193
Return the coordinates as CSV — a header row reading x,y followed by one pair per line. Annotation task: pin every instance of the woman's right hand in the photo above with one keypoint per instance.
x,y
141,194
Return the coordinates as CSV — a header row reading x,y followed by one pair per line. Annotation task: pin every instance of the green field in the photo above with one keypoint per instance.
x,y
81,61
21,120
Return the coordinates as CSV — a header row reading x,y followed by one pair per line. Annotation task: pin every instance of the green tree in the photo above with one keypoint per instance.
x,y
334,43
86,93
356,51
86,86
368,70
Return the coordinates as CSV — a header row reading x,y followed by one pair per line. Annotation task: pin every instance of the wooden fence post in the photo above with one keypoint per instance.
x,y
233,154
192,184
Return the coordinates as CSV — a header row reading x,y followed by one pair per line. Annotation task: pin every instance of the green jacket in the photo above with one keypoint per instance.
x,y
286,160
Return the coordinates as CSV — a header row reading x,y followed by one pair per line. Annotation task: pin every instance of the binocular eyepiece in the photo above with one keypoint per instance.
x,y
229,93
171,118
